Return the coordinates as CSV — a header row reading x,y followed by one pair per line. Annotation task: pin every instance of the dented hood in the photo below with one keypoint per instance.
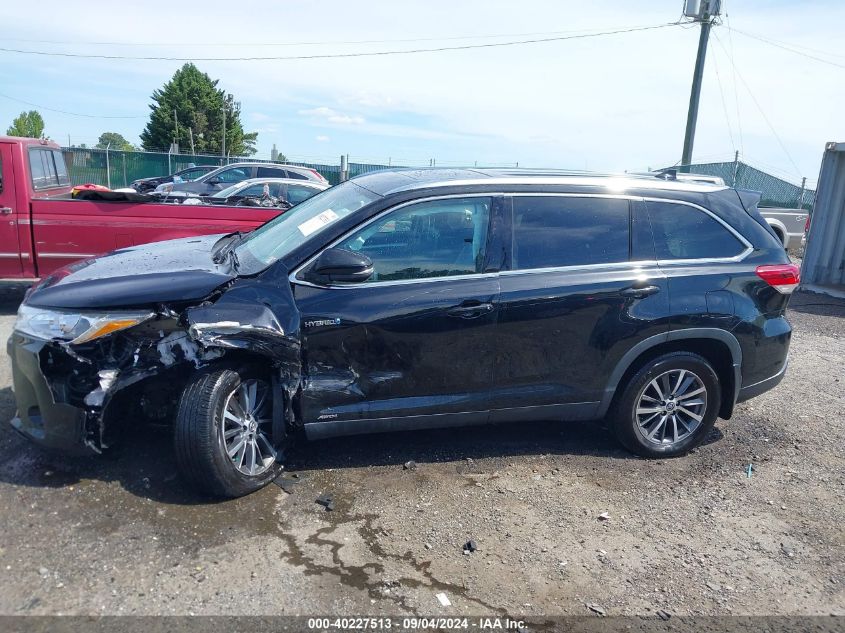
x,y
161,272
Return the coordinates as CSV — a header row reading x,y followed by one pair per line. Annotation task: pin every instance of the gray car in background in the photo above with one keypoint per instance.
x,y
287,191
228,175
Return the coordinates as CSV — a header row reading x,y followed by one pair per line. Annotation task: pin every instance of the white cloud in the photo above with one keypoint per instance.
x,y
325,114
322,138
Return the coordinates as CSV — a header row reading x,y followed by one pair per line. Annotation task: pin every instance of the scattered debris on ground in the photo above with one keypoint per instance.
x,y
326,501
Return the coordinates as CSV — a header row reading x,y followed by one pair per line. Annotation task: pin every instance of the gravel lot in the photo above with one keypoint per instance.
x,y
694,535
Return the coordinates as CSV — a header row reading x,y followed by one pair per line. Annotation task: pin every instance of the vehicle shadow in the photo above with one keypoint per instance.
x,y
144,463
817,304
11,297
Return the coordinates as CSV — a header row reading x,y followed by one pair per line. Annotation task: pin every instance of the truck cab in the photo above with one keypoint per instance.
x,y
29,168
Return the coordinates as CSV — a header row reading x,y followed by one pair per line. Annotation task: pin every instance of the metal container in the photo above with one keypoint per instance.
x,y
824,258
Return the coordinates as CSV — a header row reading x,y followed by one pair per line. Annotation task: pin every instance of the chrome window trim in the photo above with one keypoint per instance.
x,y
557,269
393,282
634,265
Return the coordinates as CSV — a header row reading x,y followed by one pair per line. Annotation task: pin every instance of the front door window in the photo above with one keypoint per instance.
x,y
438,238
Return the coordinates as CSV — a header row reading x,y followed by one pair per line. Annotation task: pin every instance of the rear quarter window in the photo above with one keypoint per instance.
x,y
685,232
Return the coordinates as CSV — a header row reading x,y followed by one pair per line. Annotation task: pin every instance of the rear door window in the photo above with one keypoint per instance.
x,y
295,175
685,232
236,174
270,172
556,231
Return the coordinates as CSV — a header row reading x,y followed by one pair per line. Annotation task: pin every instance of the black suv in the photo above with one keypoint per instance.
x,y
413,299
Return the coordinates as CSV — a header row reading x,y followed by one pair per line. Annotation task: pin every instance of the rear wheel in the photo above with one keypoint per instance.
x,y
224,443
669,406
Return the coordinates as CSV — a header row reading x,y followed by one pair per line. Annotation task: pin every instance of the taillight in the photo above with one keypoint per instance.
x,y
782,277
807,224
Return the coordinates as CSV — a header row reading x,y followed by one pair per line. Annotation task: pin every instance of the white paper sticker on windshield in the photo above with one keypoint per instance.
x,y
316,223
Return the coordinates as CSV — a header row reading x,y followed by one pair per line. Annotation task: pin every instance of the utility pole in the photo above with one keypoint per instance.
x,y
223,151
176,130
703,12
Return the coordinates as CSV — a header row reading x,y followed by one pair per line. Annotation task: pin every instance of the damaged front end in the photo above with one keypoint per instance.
x,y
77,394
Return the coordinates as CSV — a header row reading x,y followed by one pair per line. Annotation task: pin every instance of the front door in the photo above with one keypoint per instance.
x,y
413,345
10,255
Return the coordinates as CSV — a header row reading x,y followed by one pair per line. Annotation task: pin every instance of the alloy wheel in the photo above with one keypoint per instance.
x,y
246,428
671,407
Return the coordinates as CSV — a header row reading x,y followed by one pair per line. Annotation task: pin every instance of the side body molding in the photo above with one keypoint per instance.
x,y
675,335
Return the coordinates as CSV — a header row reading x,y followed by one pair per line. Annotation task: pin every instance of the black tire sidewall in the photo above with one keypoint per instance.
x,y
213,470
624,419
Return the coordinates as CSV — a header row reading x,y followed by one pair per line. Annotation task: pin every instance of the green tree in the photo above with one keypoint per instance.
x,y
199,108
114,140
29,124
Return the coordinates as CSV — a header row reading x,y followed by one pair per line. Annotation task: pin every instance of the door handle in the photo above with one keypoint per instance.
x,y
471,309
639,292
6,210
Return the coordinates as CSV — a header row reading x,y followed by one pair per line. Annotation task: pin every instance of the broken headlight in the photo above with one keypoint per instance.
x,y
76,327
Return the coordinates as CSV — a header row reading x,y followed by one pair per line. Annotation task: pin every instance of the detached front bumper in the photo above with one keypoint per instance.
x,y
41,416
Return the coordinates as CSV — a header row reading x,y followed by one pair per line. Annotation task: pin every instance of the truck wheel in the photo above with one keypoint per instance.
x,y
223,439
668,407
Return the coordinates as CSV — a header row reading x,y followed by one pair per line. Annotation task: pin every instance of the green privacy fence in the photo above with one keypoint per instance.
x,y
118,169
777,192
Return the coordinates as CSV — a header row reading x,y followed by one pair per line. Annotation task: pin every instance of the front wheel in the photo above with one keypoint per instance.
x,y
223,439
669,406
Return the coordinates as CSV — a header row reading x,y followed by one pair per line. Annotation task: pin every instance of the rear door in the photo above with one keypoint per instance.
x,y
413,345
583,288
10,216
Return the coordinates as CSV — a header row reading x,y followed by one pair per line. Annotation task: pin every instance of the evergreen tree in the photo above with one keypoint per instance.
x,y
199,108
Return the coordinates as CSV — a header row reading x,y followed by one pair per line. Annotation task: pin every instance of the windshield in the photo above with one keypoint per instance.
x,y
282,235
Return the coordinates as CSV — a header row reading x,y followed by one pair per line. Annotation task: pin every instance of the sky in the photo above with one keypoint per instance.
x,y
610,103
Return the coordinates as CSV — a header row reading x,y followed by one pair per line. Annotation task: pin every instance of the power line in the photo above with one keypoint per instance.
x,y
733,76
301,43
724,103
760,108
87,116
789,48
340,55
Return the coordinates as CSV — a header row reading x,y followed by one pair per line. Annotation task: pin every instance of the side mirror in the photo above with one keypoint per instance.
x,y
341,265
212,181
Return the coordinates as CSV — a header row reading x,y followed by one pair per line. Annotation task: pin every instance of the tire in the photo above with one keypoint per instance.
x,y
201,450
633,418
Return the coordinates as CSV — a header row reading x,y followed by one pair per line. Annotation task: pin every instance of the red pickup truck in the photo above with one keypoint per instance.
x,y
42,227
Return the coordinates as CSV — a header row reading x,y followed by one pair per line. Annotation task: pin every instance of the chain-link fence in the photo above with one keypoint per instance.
x,y
777,192
118,169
